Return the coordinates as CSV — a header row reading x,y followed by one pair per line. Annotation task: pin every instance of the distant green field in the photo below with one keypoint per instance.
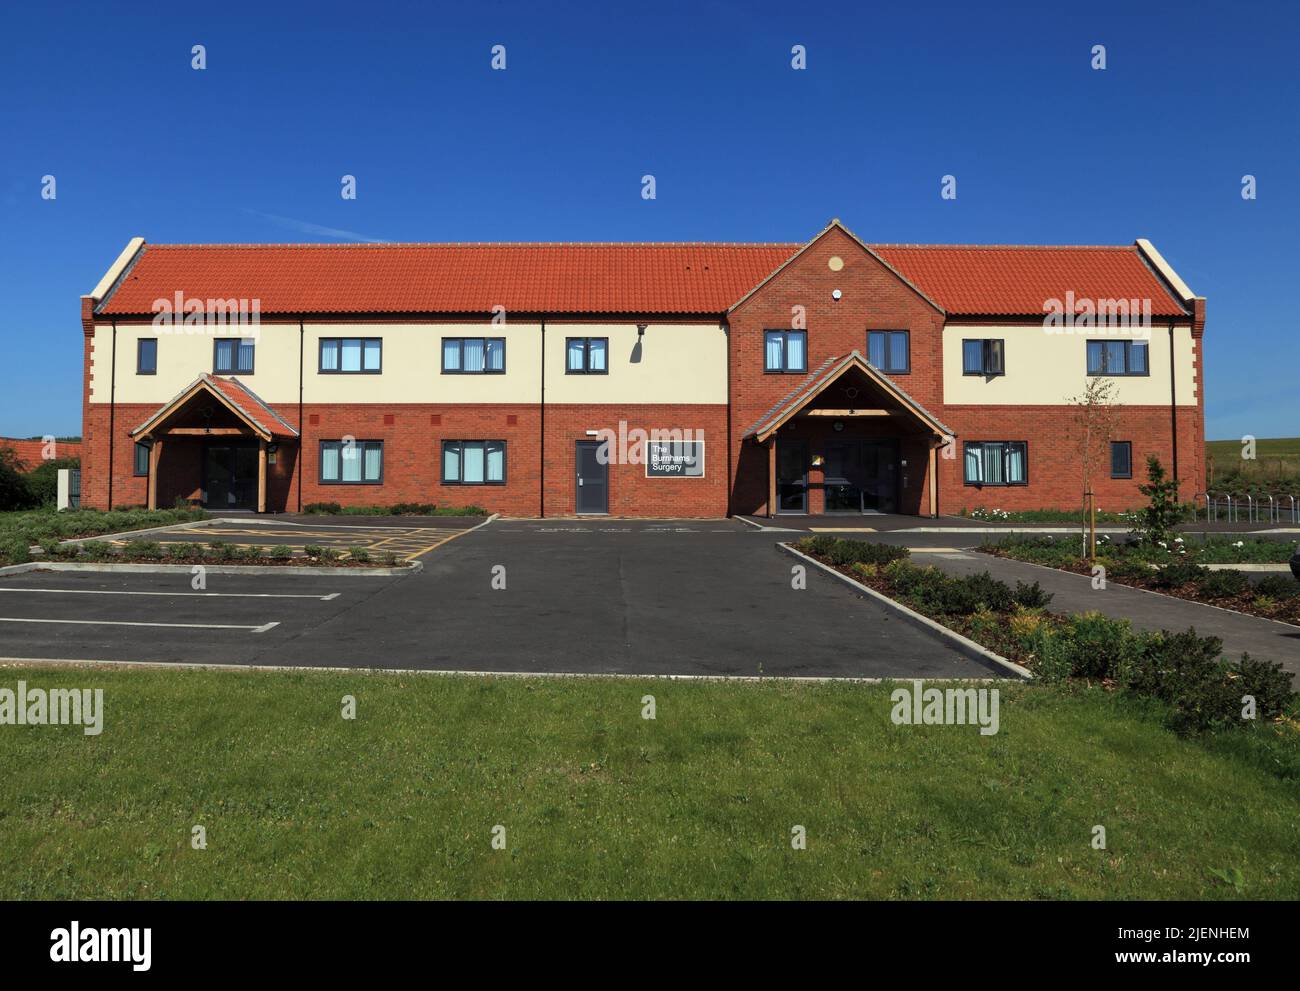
x,y
1276,465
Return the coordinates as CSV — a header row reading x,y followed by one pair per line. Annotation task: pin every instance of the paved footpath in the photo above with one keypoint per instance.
x,y
1073,593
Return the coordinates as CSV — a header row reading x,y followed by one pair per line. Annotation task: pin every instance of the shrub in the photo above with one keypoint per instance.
x,y
358,554
1277,587
184,551
13,488
148,549
412,509
1176,575
1223,584
43,481
390,559
253,552
819,544
15,551
313,550
281,552
1156,520
322,509
990,592
97,550
843,552
1173,664
1031,596
1096,646
1266,681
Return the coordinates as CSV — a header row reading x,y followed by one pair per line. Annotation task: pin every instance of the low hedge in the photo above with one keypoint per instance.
x,y
1185,671
396,509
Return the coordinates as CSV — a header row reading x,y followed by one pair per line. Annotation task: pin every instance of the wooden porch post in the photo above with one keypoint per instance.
x,y
934,483
261,475
155,453
771,477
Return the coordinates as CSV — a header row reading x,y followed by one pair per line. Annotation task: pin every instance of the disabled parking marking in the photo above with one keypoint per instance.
x,y
218,595
121,622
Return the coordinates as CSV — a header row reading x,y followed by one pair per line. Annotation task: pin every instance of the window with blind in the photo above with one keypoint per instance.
x,y
473,355
351,355
890,350
232,355
1117,358
359,462
997,462
473,462
982,357
785,351
586,356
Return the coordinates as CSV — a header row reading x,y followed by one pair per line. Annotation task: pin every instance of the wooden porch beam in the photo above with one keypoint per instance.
x,y
849,412
771,478
204,432
261,475
155,453
934,484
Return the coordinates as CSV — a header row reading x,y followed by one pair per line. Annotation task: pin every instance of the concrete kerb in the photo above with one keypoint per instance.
x,y
342,571
963,645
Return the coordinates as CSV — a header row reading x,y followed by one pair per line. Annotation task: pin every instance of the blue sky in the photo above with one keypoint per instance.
x,y
701,95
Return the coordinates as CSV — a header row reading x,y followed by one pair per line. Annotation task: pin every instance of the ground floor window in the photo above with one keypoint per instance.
x,y
141,459
473,462
997,462
1121,459
359,462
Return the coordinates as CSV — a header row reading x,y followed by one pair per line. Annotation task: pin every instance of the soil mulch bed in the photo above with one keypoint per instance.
x,y
1282,610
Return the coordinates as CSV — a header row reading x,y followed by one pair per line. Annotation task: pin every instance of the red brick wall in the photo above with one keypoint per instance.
x,y
412,458
31,453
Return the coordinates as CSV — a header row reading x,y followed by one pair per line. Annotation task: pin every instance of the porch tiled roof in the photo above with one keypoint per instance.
x,y
247,404
821,377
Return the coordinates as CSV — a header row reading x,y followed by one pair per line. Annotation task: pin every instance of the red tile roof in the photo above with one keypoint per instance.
x,y
30,453
604,278
453,278
246,402
994,280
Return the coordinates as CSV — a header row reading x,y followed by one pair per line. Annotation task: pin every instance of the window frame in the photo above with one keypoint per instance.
x,y
239,343
785,368
139,354
320,356
135,464
586,368
442,461
1121,443
985,350
442,356
1128,361
966,446
361,444
907,334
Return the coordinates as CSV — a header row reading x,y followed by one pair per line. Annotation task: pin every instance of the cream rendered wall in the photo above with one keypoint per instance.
x,y
1046,369
678,363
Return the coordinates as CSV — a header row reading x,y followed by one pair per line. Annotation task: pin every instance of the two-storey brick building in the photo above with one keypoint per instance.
x,y
635,379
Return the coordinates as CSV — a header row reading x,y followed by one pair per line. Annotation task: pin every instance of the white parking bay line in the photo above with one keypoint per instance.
x,y
210,595
119,622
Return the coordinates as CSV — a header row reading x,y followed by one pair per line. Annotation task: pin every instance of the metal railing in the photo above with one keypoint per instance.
x,y
1246,507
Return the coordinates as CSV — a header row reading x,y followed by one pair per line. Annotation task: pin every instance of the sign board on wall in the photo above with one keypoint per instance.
x,y
674,459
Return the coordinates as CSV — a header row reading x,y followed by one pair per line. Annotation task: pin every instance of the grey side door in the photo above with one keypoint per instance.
x,y
593,479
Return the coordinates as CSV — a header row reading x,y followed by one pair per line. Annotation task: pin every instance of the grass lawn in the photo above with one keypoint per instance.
x,y
600,803
1276,467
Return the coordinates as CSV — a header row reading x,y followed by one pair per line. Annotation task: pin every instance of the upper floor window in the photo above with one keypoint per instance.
x,y
1117,358
231,355
586,355
889,350
785,351
981,357
997,462
146,356
1121,459
473,355
357,462
351,355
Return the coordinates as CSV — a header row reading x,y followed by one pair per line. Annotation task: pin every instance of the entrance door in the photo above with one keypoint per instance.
x,y
230,476
791,476
861,476
593,479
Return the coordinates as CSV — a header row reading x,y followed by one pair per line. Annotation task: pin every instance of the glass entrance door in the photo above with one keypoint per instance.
x,y
230,476
791,476
861,476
